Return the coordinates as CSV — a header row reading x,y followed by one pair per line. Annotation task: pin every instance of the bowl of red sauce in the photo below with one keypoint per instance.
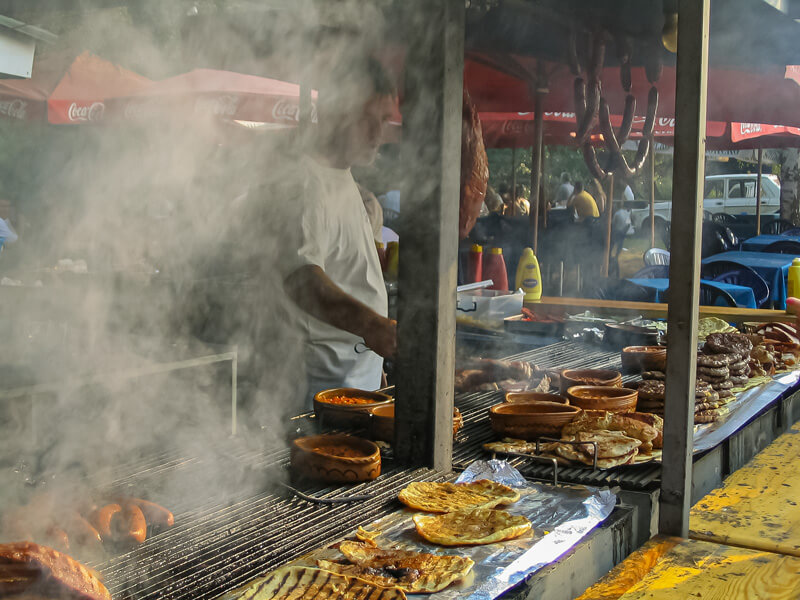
x,y
347,407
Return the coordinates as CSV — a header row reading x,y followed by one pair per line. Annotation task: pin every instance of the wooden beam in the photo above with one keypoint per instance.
x,y
758,190
514,180
609,217
428,231
652,168
687,194
539,91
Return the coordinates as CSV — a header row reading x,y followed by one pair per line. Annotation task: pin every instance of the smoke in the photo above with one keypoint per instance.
x,y
175,220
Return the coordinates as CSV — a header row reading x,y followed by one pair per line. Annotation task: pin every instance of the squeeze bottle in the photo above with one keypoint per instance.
x,y
474,270
392,260
529,277
494,268
381,255
793,288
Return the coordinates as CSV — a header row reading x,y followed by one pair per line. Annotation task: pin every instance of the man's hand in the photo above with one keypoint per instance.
x,y
381,337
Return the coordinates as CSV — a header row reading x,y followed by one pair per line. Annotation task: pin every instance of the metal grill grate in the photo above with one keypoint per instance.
x,y
563,355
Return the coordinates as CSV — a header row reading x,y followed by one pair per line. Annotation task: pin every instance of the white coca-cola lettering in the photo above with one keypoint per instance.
x,y
289,110
16,109
86,112
748,128
219,106
666,122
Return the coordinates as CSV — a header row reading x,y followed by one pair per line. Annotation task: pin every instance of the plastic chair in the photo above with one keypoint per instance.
x,y
709,296
783,247
716,239
723,218
726,271
656,256
623,290
777,227
652,272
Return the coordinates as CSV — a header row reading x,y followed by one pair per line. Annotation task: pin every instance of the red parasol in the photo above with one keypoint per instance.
x,y
72,96
209,92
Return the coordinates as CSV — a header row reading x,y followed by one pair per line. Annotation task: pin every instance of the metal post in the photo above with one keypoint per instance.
x,y
304,105
609,216
758,190
652,160
428,226
514,180
687,190
536,153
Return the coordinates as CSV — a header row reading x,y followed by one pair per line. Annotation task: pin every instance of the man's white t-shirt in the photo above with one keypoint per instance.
x,y
328,227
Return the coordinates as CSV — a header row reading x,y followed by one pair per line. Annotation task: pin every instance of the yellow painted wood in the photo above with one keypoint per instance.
x,y
691,569
759,505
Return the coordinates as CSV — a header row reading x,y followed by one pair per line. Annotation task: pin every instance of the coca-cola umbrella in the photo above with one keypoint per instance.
x,y
213,93
70,94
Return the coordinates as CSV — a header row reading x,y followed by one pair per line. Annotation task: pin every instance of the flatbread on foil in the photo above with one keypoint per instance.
x,y
307,583
412,572
446,497
471,527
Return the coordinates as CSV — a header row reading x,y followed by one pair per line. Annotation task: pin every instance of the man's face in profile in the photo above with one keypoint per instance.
x,y
363,135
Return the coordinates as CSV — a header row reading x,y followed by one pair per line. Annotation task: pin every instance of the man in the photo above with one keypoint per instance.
x,y
582,203
330,269
7,233
564,192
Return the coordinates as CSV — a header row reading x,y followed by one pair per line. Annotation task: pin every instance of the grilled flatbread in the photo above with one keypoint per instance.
x,y
602,420
412,572
510,445
367,536
471,527
609,443
571,453
306,583
446,497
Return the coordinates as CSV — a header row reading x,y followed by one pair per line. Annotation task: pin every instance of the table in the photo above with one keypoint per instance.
x,y
742,294
758,243
774,268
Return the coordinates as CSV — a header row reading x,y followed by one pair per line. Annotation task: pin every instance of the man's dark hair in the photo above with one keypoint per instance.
x,y
381,80
578,187
351,81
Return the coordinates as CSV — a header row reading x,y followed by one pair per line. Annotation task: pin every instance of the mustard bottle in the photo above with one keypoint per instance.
x,y
793,287
529,277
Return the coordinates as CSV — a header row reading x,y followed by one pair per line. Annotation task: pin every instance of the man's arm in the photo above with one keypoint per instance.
x,y
313,291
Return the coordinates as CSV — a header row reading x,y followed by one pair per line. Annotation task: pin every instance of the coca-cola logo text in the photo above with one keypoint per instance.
x,y
289,110
220,106
748,128
16,109
90,112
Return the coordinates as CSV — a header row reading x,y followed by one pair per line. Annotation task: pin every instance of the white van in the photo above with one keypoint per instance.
x,y
730,194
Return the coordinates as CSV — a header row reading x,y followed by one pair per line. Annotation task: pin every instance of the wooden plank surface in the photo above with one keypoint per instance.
x,y
670,568
759,505
561,306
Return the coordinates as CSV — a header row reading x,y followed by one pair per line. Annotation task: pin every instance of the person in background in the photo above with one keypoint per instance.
x,y
621,227
330,269
563,192
627,194
582,203
492,203
374,212
599,194
7,233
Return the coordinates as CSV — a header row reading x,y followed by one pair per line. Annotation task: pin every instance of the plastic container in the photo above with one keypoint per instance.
x,y
392,260
793,288
488,305
529,277
494,268
381,255
475,266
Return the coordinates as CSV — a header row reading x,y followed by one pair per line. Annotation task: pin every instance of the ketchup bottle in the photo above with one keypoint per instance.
x,y
475,270
494,268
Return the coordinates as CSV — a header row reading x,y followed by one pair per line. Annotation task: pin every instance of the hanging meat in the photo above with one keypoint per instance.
x,y
474,168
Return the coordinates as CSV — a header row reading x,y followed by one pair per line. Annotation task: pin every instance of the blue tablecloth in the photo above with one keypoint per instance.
x,y
742,294
758,243
772,267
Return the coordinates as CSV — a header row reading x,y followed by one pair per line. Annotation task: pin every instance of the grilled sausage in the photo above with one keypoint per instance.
x,y
652,109
82,533
579,97
101,519
592,105
590,158
133,524
155,514
627,119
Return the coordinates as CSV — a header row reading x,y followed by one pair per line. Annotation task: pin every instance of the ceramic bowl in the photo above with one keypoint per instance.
x,y
604,377
381,425
335,458
530,420
612,399
536,397
335,414
636,359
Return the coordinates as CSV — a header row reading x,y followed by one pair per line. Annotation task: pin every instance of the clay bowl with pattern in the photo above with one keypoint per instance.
x,y
335,458
531,420
381,425
595,397
332,411
604,377
636,359
536,397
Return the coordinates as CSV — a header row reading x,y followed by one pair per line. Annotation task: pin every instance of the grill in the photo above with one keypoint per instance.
x,y
562,355
221,544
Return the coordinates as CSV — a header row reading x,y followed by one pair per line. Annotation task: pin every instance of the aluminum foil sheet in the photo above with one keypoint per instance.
x,y
561,516
747,405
